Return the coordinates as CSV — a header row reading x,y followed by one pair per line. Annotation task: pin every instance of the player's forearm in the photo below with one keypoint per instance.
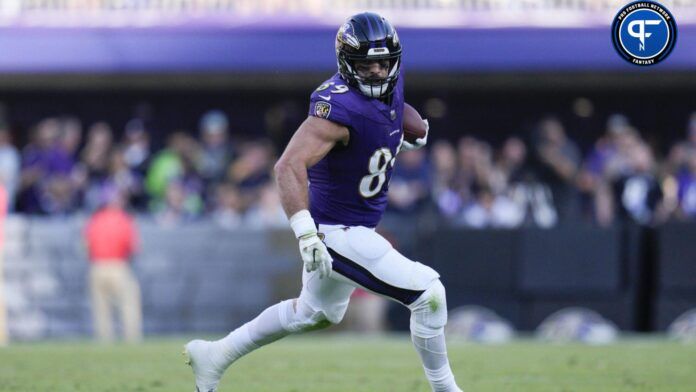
x,y
291,178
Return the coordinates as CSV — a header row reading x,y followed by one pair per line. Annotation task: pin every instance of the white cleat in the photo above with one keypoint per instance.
x,y
207,373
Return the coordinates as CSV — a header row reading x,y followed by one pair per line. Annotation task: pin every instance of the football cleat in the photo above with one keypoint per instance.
x,y
207,373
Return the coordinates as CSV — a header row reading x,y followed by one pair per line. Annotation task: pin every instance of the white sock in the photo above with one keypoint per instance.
x,y
264,329
433,354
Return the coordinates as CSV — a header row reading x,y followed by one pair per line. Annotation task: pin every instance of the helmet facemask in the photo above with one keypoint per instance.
x,y
372,87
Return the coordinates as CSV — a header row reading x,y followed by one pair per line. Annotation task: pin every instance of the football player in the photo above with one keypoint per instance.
x,y
333,179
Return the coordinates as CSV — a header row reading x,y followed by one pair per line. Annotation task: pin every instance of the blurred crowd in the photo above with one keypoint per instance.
x,y
59,173
542,179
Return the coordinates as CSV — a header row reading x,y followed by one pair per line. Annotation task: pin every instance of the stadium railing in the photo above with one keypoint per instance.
x,y
641,279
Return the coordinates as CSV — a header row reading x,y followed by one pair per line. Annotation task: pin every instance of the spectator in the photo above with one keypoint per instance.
x,y
510,166
252,171
557,161
9,165
112,240
611,155
475,167
409,186
172,163
517,196
609,159
489,210
70,135
46,178
605,148
216,153
69,141
687,190
124,178
120,177
637,192
445,168
181,204
95,164
136,150
95,155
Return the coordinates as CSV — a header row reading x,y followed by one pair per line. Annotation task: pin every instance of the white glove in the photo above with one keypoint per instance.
x,y
312,249
418,143
315,255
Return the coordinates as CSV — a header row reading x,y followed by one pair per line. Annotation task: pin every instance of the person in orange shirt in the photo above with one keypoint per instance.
x,y
112,239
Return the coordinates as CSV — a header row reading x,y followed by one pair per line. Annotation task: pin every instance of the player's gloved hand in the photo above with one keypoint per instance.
x,y
312,249
315,255
418,143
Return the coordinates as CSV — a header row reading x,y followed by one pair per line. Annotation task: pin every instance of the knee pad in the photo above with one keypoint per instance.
x,y
301,317
429,312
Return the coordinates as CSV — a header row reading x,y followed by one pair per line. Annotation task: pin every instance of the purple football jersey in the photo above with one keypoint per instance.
x,y
349,185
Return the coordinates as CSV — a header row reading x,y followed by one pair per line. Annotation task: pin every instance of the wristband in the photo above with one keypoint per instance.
x,y
302,224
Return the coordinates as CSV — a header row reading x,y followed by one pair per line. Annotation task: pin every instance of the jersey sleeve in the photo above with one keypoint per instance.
x,y
332,109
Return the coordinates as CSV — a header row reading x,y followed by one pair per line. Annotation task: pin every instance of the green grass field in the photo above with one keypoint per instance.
x,y
338,363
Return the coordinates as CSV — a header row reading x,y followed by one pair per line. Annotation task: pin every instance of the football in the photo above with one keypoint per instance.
x,y
414,127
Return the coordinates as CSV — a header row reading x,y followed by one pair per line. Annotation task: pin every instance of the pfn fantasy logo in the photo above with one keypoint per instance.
x,y
644,33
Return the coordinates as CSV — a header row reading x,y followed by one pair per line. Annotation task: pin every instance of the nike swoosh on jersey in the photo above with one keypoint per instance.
x,y
326,98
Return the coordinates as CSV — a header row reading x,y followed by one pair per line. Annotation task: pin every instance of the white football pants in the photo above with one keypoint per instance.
x,y
363,258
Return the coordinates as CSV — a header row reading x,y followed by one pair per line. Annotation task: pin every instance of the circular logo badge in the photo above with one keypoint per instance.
x,y
644,32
